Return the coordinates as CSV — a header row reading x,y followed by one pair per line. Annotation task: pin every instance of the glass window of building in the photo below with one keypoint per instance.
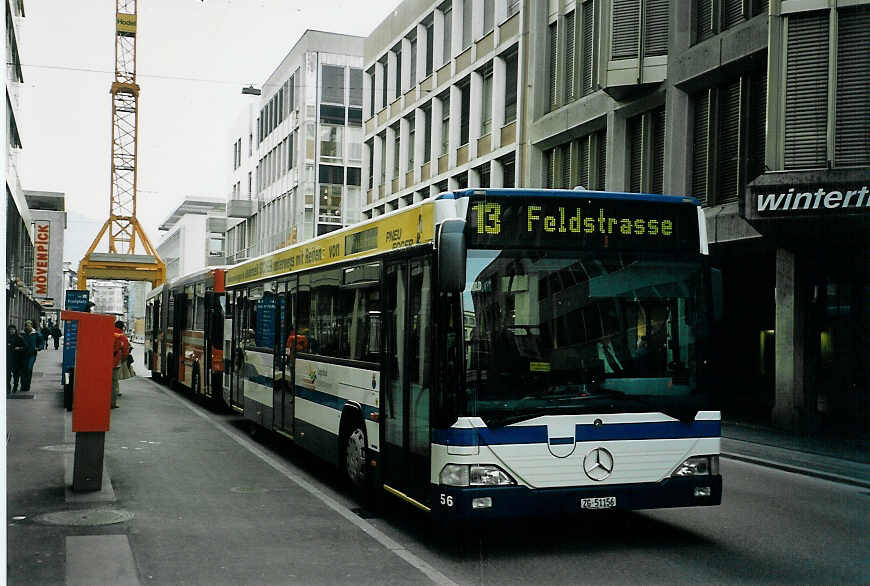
x,y
332,86
430,43
467,14
486,99
553,62
511,7
448,32
508,165
646,147
355,97
570,57
412,79
510,99
331,141
397,51
465,110
412,124
427,132
625,33
488,15
445,122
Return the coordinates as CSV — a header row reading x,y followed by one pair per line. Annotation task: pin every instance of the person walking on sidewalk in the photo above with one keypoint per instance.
x,y
14,358
32,344
46,333
55,334
120,353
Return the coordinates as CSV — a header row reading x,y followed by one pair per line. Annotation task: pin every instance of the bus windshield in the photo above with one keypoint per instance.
x,y
555,332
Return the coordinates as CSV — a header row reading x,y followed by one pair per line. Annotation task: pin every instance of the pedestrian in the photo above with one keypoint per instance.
x,y
55,333
45,332
120,353
14,358
32,344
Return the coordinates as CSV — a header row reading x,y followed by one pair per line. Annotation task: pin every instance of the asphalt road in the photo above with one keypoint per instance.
x,y
215,504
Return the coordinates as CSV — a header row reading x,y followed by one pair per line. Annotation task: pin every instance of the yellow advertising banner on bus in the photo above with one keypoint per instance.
x,y
408,228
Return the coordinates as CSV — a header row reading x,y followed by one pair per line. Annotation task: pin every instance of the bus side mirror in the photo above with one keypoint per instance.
x,y
451,256
718,294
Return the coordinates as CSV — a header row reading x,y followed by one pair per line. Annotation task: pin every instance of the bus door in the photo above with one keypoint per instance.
x,y
156,329
214,344
407,378
238,360
175,369
285,355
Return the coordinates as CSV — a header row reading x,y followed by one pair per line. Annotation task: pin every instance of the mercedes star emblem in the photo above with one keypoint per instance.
x,y
598,464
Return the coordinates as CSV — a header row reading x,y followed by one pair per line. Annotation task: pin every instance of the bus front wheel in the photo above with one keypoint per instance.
x,y
355,456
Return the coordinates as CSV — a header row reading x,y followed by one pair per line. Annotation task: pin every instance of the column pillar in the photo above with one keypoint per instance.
x,y
617,152
790,339
392,77
380,80
406,67
421,54
437,40
475,114
435,134
496,174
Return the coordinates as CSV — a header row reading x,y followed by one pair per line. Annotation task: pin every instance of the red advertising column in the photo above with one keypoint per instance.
x,y
91,395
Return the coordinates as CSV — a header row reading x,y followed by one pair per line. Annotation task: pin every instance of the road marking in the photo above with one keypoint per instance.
x,y
282,468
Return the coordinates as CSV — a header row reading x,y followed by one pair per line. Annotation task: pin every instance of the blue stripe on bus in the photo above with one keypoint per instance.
x,y
333,402
561,441
537,434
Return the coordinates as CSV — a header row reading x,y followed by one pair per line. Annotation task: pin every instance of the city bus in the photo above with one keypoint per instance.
x,y
184,332
493,352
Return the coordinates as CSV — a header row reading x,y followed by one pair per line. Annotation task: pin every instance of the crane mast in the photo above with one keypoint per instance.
x,y
122,227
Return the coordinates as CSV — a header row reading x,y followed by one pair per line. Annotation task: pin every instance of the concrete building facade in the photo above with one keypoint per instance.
x,y
192,236
21,303
758,108
443,108
297,148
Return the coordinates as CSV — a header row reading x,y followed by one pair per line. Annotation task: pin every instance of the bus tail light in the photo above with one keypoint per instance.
x,y
698,466
474,475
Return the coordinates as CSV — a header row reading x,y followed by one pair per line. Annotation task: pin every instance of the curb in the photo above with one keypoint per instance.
x,y
799,470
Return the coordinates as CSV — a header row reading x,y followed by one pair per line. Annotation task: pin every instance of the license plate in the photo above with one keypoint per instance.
x,y
604,502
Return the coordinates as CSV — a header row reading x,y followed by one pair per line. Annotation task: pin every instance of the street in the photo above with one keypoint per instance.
x,y
773,526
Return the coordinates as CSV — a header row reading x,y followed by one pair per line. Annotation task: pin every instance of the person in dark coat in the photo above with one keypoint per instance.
x,y
45,332
14,358
32,344
55,334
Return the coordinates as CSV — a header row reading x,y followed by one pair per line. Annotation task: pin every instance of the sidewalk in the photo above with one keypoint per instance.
x,y
188,498
840,460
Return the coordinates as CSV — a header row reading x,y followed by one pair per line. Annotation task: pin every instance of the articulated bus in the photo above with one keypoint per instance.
x,y
184,332
493,352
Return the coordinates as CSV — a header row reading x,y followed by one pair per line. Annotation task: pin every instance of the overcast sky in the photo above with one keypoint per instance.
x,y
193,58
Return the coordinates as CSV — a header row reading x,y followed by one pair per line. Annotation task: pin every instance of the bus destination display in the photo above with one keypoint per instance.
x,y
584,223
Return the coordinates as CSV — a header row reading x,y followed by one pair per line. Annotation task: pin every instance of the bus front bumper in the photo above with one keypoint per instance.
x,y
473,503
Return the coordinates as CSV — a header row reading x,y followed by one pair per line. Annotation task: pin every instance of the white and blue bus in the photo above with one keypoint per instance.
x,y
493,352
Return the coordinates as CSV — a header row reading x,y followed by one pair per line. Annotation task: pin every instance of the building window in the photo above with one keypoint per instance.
x,y
371,76
250,183
464,112
588,41
510,99
412,123
570,57
810,79
448,34
430,43
331,141
508,165
445,123
728,130
715,16
488,16
332,89
486,98
581,162
553,57
467,13
483,174
384,84
397,51
356,87
626,38
646,147
412,81
427,133
511,7
396,150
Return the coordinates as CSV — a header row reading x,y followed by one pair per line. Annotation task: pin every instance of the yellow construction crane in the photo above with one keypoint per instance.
x,y
122,262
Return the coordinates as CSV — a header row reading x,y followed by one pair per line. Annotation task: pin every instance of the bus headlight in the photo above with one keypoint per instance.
x,y
698,466
474,475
